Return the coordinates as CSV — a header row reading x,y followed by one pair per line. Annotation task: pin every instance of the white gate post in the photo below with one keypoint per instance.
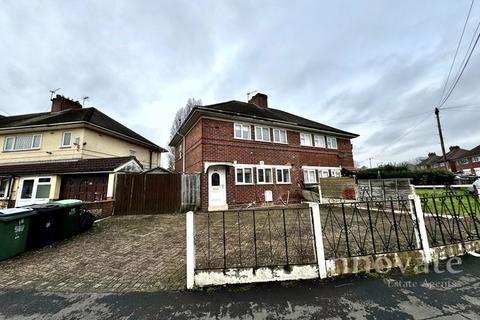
x,y
190,250
421,233
317,229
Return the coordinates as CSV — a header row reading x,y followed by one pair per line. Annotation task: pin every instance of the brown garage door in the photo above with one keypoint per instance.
x,y
84,187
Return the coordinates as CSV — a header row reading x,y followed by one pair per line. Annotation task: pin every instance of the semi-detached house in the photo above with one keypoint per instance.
x,y
68,152
249,154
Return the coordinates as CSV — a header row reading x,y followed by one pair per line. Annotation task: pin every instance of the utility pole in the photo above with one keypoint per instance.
x,y
437,114
370,162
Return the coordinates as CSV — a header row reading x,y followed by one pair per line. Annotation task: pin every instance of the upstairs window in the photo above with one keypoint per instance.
x,y
310,176
264,175
262,134
305,139
242,131
319,141
476,159
283,176
66,140
243,176
27,142
332,143
279,136
463,161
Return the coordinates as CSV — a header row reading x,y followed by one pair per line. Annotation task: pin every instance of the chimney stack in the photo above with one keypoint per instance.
x,y
260,100
60,103
454,148
432,154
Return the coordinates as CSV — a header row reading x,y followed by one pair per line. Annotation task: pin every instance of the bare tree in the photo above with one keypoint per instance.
x,y
180,116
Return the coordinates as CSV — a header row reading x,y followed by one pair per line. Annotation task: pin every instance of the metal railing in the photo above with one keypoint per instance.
x,y
368,227
451,218
254,239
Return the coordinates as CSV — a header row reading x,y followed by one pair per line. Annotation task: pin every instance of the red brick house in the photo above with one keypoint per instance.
x,y
251,154
469,163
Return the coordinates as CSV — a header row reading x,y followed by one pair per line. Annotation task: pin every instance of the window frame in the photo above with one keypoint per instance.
x,y
305,134
262,139
475,159
306,174
463,161
264,175
243,183
62,145
323,138
36,183
283,176
242,126
279,130
329,139
7,187
25,149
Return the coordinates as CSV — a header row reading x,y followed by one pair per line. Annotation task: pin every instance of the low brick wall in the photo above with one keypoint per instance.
x,y
100,209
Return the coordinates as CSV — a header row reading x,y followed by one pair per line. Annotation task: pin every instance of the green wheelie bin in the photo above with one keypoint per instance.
x,y
69,219
14,225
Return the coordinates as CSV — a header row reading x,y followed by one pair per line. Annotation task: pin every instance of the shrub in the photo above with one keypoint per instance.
x,y
419,177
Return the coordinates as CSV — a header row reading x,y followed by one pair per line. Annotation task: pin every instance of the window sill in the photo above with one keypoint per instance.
x,y
23,150
65,147
244,184
242,139
284,183
264,183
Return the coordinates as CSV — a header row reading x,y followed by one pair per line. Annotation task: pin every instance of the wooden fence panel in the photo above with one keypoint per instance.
x,y
148,194
384,189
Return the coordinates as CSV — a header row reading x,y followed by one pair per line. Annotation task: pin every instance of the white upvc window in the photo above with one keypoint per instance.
x,y
332,143
309,176
476,159
66,140
337,173
4,185
319,141
244,175
242,131
264,176
262,134
305,139
23,142
463,161
280,136
283,176
324,173
34,190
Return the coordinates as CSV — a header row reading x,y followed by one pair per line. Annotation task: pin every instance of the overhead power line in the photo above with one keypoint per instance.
x,y
456,52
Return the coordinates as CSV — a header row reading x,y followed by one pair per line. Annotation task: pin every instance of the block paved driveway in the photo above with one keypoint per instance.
x,y
119,254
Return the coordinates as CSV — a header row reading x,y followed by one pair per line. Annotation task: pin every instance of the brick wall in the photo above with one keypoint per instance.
x,y
468,166
212,140
100,209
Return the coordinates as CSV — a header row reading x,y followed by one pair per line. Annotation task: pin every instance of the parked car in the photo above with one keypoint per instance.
x,y
475,184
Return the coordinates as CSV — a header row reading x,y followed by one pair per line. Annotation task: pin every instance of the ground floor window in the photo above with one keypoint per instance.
x,y
243,176
4,185
310,176
264,175
34,190
283,176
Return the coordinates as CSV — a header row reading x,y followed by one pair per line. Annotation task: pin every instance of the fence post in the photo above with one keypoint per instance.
x,y
421,232
317,228
190,250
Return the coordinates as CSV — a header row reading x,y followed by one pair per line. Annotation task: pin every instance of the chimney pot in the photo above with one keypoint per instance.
x,y
260,100
454,148
431,154
60,103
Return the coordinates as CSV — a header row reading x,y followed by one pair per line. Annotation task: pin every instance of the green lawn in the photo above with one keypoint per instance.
x,y
448,205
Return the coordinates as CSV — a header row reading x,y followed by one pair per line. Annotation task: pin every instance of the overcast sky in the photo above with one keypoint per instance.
x,y
376,68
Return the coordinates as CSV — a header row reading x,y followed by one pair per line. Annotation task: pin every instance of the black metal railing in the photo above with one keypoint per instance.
x,y
451,218
254,238
368,227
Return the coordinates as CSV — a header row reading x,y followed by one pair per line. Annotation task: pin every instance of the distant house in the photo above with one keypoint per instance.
x,y
249,154
69,152
470,162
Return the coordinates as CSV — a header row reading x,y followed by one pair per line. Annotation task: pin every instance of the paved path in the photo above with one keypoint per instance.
x,y
120,254
431,296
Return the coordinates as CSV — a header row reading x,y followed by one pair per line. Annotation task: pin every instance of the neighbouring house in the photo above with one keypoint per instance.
x,y
469,163
429,162
249,154
69,152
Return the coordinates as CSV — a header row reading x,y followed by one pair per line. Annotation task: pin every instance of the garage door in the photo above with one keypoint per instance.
x,y
84,187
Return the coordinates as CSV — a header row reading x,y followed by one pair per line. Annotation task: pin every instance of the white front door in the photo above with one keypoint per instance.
x,y
217,192
33,190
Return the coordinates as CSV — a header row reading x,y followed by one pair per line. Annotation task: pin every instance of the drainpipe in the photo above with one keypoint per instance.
x,y
10,189
151,152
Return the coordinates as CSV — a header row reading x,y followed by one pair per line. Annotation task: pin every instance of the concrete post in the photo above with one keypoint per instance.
x,y
190,250
317,227
421,234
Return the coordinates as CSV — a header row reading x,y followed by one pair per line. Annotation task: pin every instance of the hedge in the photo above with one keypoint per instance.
x,y
419,177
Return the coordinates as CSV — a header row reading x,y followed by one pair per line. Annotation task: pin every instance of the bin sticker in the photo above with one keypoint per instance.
x,y
19,229
48,224
72,212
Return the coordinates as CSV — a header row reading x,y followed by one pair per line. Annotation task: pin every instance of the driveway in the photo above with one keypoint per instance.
x,y
424,296
119,254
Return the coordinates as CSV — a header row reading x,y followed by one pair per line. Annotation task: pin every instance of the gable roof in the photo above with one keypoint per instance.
x,y
430,160
456,154
66,166
87,115
236,108
474,152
